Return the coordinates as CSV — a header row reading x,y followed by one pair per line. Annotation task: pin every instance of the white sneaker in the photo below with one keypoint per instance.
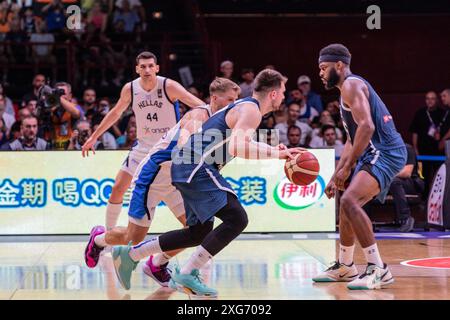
x,y
373,278
338,272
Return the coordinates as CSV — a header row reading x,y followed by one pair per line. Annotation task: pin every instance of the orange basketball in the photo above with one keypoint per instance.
x,y
303,169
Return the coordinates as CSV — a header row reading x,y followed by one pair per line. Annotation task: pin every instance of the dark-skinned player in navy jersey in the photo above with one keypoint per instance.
x,y
376,152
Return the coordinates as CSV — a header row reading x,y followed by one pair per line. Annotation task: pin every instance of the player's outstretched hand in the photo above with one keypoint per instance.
x,y
286,153
330,190
88,145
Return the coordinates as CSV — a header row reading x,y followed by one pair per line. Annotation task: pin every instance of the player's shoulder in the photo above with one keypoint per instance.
x,y
198,113
352,84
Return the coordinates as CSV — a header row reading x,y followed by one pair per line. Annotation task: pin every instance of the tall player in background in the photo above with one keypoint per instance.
x,y
379,153
206,194
154,102
152,184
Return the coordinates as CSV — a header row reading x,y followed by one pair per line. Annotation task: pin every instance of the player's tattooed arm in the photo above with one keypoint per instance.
x,y
354,94
110,119
176,91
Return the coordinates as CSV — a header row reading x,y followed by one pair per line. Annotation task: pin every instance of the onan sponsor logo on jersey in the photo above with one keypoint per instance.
x,y
294,197
150,103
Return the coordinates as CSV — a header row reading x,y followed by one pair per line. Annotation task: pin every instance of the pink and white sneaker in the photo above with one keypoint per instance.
x,y
92,252
159,274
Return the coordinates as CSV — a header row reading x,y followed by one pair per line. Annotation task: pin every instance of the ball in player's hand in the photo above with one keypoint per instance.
x,y
303,169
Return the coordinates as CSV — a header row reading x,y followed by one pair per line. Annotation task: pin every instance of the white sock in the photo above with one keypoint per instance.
x,y
198,259
145,249
100,240
112,214
346,254
160,259
373,255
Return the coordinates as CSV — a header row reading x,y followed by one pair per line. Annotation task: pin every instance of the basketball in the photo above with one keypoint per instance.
x,y
303,169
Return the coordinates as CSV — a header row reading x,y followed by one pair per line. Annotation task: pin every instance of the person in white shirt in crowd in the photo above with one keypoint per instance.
x,y
293,113
328,140
312,99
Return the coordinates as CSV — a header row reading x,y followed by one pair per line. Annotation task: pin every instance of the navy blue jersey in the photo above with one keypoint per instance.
x,y
385,136
209,146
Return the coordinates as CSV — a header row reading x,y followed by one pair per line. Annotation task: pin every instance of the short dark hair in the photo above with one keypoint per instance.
x,y
336,49
294,127
146,55
292,103
246,70
325,127
268,79
30,117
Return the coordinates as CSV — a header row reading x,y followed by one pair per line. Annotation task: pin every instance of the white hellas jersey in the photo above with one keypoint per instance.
x,y
155,113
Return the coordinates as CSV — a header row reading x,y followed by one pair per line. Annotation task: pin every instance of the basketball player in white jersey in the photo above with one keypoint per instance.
x,y
152,99
152,184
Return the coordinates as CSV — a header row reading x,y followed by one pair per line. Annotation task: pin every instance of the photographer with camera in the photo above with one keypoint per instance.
x,y
80,135
58,113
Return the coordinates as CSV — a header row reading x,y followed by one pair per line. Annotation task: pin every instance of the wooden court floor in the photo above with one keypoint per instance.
x,y
255,268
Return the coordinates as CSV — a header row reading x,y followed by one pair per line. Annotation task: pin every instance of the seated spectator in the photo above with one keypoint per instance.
x,y
38,82
247,86
126,141
89,104
137,7
307,112
406,182
325,119
312,98
32,107
195,91
226,70
333,109
28,139
28,21
280,116
9,105
294,134
293,112
97,18
3,132
328,139
16,49
107,140
42,54
7,118
80,135
24,113
128,16
54,16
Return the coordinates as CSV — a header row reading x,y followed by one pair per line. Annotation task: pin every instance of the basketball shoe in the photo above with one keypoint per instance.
x,y
92,251
191,284
338,272
123,264
373,278
159,274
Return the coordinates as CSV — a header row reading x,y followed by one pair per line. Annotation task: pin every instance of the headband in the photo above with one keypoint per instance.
x,y
334,58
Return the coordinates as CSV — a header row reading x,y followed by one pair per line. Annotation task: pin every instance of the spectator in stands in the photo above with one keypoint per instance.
x,y
280,116
425,128
62,118
6,16
89,104
406,182
28,21
312,98
3,132
126,141
42,54
195,91
293,113
55,17
136,6
127,15
7,118
325,119
328,139
24,113
32,107
38,82
226,70
116,52
9,105
80,135
97,18
445,96
16,49
333,108
247,85
294,134
28,139
307,112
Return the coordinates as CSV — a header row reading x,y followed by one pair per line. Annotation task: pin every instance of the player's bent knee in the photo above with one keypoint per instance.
x,y
200,231
347,205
